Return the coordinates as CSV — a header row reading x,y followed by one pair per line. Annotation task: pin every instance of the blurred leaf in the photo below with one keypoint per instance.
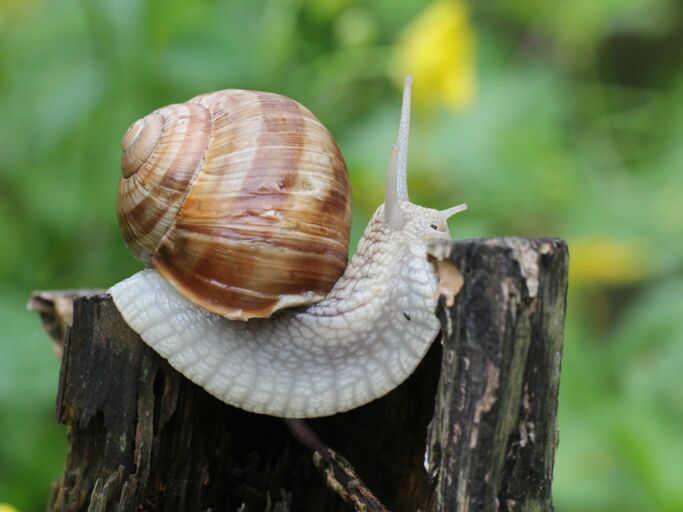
x,y
33,444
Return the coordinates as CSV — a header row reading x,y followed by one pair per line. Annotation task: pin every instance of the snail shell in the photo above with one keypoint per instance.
x,y
240,199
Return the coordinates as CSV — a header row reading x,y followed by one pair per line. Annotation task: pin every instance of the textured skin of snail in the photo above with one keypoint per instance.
x,y
361,341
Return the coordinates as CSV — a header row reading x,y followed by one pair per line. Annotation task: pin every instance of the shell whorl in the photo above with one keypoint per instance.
x,y
162,153
239,198
139,142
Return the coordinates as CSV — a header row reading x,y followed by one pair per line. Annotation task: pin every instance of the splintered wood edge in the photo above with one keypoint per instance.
x,y
56,311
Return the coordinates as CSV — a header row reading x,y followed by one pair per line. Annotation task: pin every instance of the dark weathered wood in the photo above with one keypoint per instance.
x,y
493,437
142,437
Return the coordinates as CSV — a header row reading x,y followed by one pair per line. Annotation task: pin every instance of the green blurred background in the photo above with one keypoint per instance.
x,y
548,118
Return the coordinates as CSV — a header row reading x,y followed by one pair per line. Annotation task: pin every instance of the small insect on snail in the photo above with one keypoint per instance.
x,y
239,202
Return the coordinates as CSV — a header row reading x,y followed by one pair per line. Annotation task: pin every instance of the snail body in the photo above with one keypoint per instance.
x,y
364,338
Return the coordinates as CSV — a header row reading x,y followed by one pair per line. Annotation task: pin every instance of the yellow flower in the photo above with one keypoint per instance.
x,y
437,49
4,507
606,261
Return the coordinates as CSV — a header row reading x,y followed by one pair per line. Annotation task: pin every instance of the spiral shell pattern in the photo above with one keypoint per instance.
x,y
239,198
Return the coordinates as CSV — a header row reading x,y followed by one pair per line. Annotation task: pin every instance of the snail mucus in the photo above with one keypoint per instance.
x,y
239,203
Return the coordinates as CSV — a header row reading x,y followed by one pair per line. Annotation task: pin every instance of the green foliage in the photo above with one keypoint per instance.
x,y
33,445
575,132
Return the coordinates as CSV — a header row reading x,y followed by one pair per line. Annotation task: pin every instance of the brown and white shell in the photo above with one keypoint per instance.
x,y
241,199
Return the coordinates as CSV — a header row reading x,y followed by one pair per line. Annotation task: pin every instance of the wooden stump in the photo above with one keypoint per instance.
x,y
494,434
472,430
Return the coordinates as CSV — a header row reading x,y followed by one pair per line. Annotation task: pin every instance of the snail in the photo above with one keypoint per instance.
x,y
350,335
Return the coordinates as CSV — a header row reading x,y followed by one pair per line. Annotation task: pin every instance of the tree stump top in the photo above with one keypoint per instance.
x,y
473,429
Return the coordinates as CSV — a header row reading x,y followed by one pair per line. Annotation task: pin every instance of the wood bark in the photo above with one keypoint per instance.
x,y
472,430
494,434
